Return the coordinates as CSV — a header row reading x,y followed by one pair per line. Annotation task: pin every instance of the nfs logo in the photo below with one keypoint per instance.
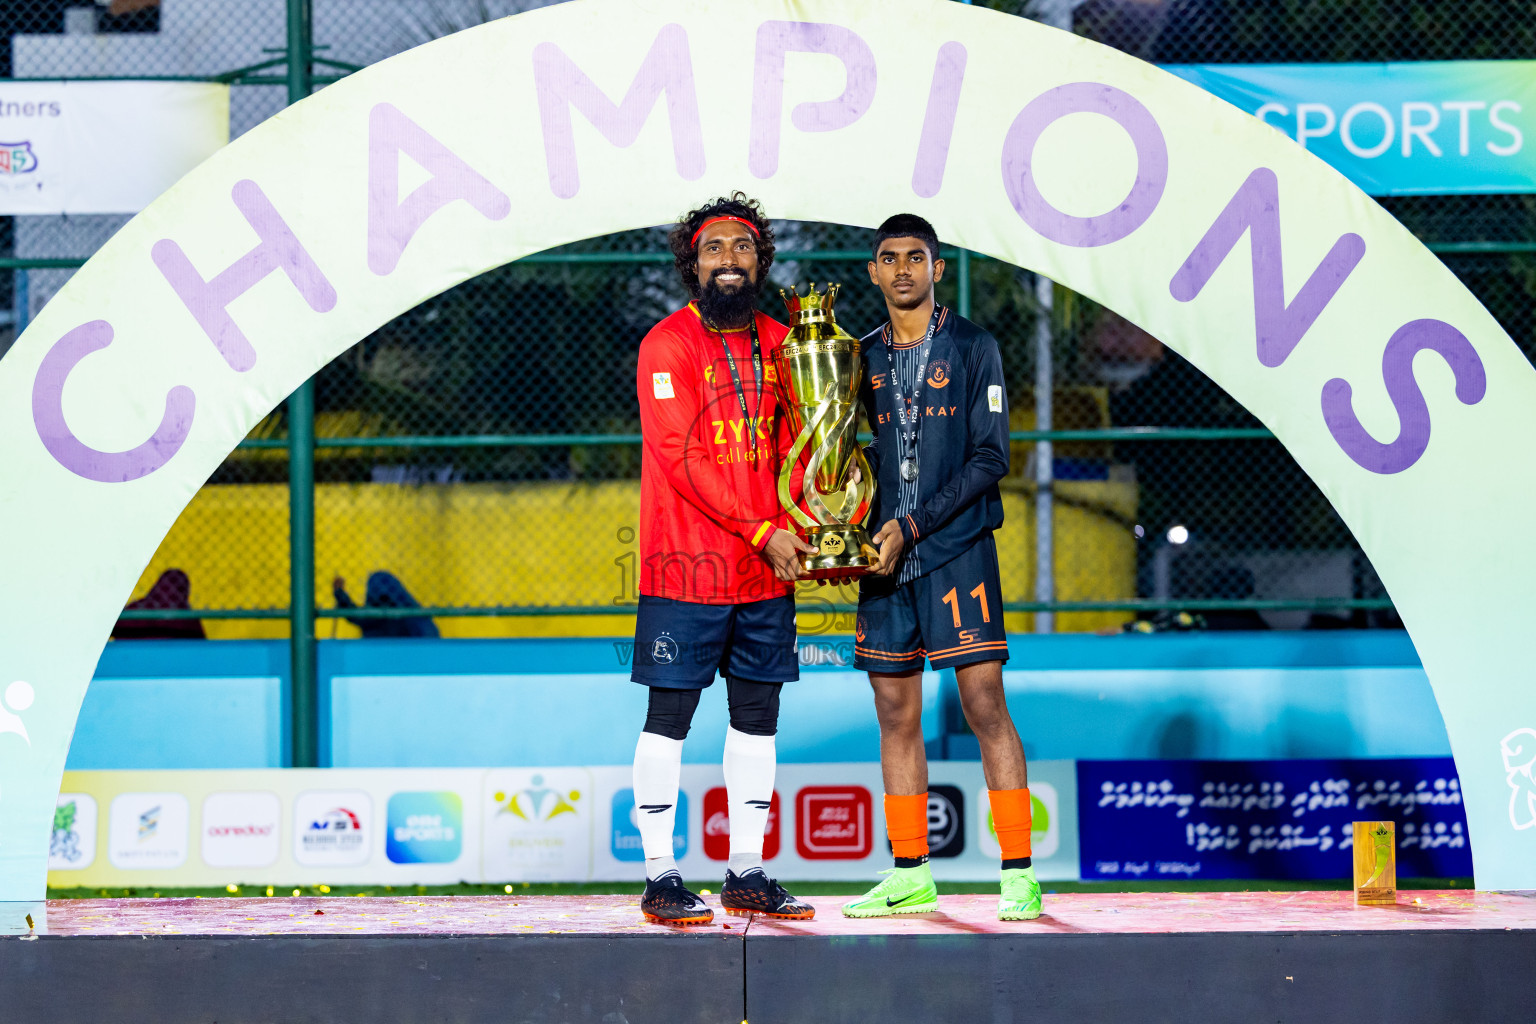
x,y
17,158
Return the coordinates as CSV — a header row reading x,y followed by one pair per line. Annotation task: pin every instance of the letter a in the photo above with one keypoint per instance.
x,y
208,301
668,68
392,223
1255,209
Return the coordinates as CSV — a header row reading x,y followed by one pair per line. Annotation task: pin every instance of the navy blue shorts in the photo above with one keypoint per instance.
x,y
680,644
952,616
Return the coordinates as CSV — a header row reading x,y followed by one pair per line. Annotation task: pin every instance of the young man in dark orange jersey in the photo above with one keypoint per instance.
x,y
718,566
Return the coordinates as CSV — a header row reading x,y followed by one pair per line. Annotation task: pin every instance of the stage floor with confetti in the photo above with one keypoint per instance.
x,y
1435,955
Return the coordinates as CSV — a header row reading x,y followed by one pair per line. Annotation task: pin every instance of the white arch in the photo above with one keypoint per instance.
x,y
1280,280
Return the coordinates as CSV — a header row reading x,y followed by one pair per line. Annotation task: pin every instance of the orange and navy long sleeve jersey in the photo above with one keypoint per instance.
x,y
708,488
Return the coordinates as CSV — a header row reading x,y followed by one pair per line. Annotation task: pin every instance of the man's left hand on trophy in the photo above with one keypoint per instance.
x,y
783,552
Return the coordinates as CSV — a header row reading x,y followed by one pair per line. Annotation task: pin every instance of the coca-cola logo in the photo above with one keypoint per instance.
x,y
717,826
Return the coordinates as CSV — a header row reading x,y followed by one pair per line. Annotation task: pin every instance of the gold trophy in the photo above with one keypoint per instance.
x,y
818,375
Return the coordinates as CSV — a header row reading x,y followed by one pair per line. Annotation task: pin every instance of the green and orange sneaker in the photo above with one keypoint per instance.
x,y
1020,900
904,891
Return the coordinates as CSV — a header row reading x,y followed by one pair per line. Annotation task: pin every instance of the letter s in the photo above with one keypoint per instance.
x,y
1403,390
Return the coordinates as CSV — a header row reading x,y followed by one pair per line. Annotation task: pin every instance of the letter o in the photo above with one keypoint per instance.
x,y
1346,130
1085,98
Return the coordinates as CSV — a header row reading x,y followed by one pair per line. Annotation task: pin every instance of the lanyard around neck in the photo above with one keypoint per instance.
x,y
907,407
757,374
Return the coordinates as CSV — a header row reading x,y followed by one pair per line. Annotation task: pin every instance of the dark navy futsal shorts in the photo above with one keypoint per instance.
x,y
952,616
681,645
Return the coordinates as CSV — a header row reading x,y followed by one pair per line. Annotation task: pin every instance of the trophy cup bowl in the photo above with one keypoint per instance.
x,y
818,375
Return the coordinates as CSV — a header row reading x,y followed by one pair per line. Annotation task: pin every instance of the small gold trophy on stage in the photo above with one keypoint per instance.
x,y
1375,862
818,373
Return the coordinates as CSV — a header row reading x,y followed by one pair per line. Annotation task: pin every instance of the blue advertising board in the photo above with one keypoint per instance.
x,y
1423,128
1266,819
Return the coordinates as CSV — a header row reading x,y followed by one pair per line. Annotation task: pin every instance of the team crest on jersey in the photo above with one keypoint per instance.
x,y
771,374
664,649
938,373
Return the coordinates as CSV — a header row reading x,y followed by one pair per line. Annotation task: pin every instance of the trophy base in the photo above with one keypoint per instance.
x,y
841,550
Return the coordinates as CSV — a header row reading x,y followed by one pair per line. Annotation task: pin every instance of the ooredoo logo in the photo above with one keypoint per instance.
x,y
833,822
717,826
240,829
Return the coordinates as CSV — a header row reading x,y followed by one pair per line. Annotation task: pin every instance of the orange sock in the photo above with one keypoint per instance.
x,y
1012,817
906,822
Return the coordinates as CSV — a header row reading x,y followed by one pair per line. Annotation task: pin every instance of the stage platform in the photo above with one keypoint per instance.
x,y
1436,956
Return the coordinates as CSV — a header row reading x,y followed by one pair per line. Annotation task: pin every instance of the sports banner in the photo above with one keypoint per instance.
x,y
103,147
1430,128
1266,819
392,826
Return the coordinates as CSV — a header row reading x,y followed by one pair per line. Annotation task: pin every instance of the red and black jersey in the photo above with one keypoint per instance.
x,y
708,485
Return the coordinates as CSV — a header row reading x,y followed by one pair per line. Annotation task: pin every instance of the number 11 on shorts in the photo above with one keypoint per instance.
x,y
980,594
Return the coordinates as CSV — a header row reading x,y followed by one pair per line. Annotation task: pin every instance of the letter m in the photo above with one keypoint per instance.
x,y
1255,209
561,85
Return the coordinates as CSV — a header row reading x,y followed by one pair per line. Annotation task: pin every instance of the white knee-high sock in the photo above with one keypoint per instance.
x,y
749,768
658,765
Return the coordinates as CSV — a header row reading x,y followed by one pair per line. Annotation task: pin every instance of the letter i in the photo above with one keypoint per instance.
x,y
939,120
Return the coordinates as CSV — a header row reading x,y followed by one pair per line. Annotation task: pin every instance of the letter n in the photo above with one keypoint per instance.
x,y
208,300
561,85
1255,209
392,223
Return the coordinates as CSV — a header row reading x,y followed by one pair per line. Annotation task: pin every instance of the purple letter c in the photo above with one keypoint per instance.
x,y
1151,164
67,449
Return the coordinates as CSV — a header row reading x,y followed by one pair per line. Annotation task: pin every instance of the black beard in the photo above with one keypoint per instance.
x,y
728,309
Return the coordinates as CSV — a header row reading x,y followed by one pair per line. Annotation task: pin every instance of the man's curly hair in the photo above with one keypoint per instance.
x,y
686,257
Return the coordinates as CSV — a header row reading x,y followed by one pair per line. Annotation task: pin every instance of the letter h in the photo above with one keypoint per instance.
x,y
208,300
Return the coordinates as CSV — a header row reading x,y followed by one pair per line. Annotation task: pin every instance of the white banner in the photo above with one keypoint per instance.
x,y
103,147
436,826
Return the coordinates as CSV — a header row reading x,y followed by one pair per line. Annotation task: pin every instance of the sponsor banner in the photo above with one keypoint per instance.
x,y
268,826
1436,127
103,147
1266,819
73,845
387,826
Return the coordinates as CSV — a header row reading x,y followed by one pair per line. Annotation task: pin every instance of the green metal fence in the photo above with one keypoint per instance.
x,y
451,446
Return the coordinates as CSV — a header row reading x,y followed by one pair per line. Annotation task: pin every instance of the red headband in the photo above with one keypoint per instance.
x,y
716,220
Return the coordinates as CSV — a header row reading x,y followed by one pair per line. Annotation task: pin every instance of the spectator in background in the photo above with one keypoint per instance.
x,y
385,591
172,591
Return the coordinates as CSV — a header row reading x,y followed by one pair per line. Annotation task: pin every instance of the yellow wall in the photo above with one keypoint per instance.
x,y
549,544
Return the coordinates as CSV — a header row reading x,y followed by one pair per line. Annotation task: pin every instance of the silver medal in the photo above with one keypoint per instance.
x,y
909,469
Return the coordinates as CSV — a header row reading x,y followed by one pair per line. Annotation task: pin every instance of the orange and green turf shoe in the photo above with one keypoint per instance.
x,y
1021,900
904,891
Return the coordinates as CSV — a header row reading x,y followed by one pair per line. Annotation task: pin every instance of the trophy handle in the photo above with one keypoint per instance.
x,y
813,494
789,504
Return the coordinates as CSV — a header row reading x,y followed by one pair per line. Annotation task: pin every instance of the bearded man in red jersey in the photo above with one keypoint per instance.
x,y
718,567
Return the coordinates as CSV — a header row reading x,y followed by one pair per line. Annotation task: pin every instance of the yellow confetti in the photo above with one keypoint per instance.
x,y
295,892
231,888
325,888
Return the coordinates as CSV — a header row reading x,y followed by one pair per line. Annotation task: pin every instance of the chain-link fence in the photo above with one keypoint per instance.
x,y
455,449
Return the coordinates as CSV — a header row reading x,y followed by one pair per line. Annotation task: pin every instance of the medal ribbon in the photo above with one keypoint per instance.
x,y
907,408
757,373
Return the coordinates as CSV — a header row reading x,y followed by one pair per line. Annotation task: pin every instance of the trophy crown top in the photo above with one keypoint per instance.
x,y
811,306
